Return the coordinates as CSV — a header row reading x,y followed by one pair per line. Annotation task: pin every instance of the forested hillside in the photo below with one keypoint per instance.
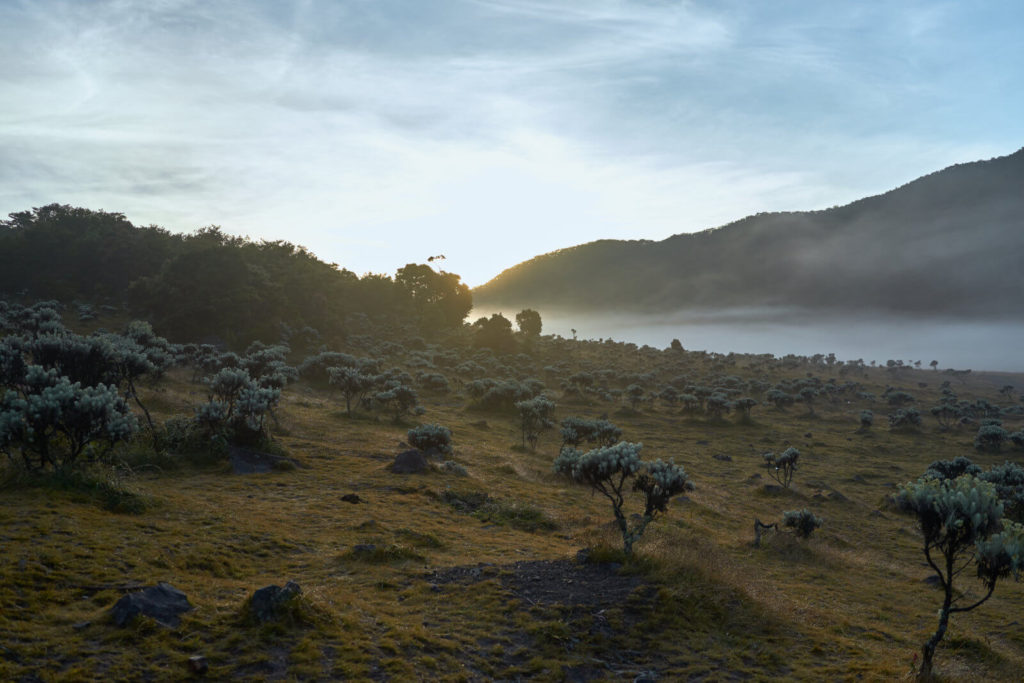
x,y
209,285
947,243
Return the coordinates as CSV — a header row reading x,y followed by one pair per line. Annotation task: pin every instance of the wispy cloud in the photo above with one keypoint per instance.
x,y
379,132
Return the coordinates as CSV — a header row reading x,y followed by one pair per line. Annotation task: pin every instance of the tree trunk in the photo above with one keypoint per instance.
x,y
627,539
928,651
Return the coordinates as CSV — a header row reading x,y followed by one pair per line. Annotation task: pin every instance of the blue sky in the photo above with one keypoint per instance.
x,y
381,132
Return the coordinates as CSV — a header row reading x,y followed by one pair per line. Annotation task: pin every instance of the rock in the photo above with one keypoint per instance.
x,y
352,498
412,461
198,665
933,580
266,603
82,625
249,461
702,442
723,457
163,603
773,488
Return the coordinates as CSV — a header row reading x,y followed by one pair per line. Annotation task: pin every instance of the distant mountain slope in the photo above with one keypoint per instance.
x,y
949,242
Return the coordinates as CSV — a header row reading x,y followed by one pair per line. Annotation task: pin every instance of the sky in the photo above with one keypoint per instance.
x,y
382,132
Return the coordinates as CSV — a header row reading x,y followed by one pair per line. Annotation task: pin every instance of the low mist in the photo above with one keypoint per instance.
x,y
954,343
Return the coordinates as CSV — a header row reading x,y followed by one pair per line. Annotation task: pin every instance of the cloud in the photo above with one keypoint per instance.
x,y
376,133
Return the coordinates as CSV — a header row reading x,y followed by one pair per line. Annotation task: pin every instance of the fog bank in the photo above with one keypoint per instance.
x,y
975,344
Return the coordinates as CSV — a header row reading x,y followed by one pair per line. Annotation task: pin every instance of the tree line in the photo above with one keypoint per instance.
x,y
209,285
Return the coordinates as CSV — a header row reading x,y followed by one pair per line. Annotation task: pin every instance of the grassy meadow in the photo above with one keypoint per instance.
x,y
412,583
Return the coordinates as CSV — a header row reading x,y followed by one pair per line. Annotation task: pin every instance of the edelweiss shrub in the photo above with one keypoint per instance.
x,y
607,470
534,417
803,522
576,430
353,384
782,467
51,422
431,438
905,419
397,398
961,522
990,437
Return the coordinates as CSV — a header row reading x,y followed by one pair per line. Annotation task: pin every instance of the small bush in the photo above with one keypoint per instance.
x,y
951,469
431,438
803,522
386,554
452,467
908,418
990,437
516,515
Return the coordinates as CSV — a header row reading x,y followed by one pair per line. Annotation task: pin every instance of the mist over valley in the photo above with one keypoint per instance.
x,y
976,344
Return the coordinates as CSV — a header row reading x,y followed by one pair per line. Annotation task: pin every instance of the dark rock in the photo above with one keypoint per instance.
x,y
933,580
364,549
702,442
249,461
351,498
723,457
412,461
773,488
162,602
82,625
266,603
198,665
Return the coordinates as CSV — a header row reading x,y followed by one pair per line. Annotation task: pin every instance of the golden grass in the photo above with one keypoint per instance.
x,y
849,603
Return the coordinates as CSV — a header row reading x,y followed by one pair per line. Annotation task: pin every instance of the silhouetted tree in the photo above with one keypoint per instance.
x,y
529,322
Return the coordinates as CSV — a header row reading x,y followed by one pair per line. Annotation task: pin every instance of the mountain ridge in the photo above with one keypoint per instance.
x,y
947,242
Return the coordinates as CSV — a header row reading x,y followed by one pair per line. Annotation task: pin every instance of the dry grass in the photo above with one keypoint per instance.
x,y
849,603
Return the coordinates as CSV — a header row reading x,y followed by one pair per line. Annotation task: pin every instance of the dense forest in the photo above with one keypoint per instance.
x,y
211,286
947,243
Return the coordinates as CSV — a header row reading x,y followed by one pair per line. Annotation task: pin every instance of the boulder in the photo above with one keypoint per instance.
x,y
162,602
267,603
412,461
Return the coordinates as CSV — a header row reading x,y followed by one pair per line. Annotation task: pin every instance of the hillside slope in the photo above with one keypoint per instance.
x,y
946,243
